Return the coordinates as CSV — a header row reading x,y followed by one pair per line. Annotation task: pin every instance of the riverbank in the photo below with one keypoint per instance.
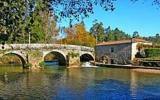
x,y
125,66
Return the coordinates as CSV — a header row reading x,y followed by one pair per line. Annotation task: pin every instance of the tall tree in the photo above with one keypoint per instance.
x,y
36,20
136,34
43,27
107,34
116,34
78,35
12,13
97,30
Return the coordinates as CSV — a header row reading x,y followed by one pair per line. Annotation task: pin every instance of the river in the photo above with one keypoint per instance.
x,y
58,83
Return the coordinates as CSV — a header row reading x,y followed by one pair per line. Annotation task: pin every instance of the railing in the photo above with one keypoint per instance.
x,y
45,46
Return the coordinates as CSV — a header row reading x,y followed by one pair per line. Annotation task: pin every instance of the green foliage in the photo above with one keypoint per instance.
x,y
107,34
135,34
42,64
12,13
19,17
116,34
73,54
76,9
97,31
152,52
155,39
40,24
27,66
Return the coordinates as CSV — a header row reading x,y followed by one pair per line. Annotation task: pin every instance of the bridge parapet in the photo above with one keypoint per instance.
x,y
45,46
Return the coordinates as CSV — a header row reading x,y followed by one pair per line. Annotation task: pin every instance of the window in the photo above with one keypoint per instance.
x,y
112,49
112,61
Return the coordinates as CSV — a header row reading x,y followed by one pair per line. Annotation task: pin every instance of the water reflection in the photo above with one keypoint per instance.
x,y
78,84
145,85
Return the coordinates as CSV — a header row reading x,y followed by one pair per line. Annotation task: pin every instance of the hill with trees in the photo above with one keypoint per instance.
x,y
107,34
155,39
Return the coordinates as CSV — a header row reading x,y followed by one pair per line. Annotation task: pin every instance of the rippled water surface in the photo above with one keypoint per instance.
x,y
78,84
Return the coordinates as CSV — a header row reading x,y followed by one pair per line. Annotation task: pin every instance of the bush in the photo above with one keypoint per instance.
x,y
42,64
152,52
27,66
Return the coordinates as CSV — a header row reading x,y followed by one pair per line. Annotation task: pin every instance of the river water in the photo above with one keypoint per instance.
x,y
56,83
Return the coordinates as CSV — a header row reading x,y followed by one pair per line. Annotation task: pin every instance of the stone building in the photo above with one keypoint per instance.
x,y
118,52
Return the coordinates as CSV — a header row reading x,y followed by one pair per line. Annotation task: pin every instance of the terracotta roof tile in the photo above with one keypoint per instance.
x,y
122,41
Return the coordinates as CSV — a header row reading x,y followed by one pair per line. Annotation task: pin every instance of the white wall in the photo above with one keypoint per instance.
x,y
134,50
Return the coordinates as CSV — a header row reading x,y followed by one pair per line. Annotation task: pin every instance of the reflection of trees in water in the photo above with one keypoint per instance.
x,y
58,83
9,82
74,82
8,78
141,81
25,85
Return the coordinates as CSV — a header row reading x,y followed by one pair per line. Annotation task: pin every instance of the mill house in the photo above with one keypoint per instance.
x,y
118,52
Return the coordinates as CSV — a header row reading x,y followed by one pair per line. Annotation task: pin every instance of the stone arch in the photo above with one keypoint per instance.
x,y
59,55
19,55
86,57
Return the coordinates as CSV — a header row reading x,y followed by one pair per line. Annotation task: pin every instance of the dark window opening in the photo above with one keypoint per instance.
x,y
112,61
112,49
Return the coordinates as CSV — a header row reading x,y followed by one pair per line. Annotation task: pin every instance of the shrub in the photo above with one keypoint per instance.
x,y
27,66
152,52
42,64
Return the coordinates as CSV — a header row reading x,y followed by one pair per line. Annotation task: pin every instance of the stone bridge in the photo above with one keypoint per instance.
x,y
34,54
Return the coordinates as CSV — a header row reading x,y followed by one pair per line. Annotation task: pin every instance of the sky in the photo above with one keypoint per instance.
x,y
140,16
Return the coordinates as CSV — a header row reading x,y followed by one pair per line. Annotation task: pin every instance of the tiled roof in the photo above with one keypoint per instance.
x,y
133,40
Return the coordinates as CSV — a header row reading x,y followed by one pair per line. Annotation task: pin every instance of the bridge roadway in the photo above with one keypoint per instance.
x,y
34,54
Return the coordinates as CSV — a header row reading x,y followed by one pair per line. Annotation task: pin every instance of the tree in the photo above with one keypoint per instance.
x,y
36,20
97,30
82,8
107,34
154,39
77,35
13,13
157,35
41,23
116,34
43,28
108,29
136,34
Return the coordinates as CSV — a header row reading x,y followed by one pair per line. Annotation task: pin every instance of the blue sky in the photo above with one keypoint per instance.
x,y
141,16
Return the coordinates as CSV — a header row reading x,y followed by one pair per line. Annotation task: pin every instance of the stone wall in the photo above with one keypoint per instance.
x,y
118,53
35,57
